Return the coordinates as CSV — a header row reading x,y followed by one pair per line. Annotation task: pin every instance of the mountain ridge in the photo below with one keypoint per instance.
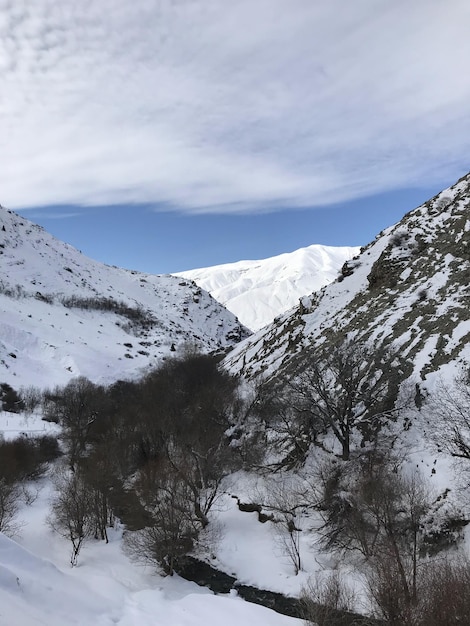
x,y
408,289
257,291
64,315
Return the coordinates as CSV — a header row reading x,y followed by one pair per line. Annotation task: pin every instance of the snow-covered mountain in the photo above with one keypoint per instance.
x,y
65,315
408,290
258,291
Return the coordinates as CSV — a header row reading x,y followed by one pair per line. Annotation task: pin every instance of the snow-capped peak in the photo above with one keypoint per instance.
x,y
257,291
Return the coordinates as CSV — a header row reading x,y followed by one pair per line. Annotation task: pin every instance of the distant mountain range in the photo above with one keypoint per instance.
x,y
65,315
258,291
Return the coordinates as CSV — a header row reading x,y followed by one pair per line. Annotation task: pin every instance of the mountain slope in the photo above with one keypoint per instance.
x,y
64,315
408,290
257,291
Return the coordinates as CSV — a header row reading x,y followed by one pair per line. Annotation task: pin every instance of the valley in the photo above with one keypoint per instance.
x,y
324,456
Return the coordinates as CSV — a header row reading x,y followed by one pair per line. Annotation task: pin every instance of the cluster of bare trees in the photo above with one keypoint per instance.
x,y
345,405
21,460
379,509
153,452
443,598
336,400
380,516
156,452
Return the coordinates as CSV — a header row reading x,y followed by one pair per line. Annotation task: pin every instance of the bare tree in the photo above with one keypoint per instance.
x,y
346,392
442,599
99,474
31,397
76,407
284,495
325,599
449,409
375,507
399,505
9,498
72,511
174,528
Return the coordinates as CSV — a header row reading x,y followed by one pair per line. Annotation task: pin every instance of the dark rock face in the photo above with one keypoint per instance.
x,y
250,507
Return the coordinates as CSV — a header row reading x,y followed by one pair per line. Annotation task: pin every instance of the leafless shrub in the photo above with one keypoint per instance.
x,y
445,593
71,512
137,315
12,291
173,531
442,594
9,504
32,398
325,599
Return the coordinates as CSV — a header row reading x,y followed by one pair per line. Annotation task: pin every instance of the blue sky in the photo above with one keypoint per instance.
x,y
141,238
165,135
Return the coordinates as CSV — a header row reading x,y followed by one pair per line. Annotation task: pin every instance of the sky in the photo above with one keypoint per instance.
x,y
164,135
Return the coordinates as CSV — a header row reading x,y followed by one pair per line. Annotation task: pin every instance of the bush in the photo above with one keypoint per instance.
x,y
325,600
445,593
136,315
442,599
24,458
10,400
9,497
174,527
31,397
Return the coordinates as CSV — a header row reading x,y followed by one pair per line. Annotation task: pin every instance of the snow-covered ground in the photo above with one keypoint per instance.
x,y
43,342
37,587
257,291
13,425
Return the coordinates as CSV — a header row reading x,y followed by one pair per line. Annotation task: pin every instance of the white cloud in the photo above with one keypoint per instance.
x,y
208,105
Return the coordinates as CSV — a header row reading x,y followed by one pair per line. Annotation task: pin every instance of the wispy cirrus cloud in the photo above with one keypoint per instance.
x,y
209,106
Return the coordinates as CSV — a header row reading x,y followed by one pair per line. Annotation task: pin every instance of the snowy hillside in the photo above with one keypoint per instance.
x,y
37,588
290,508
65,315
258,291
409,289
